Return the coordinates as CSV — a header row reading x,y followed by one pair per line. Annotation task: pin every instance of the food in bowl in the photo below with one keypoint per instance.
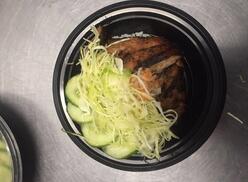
x,y
5,162
201,96
10,159
128,95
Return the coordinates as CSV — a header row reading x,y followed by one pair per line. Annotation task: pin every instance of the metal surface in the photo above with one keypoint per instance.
x,y
32,33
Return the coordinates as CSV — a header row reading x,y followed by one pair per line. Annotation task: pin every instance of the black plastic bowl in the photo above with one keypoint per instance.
x,y
204,75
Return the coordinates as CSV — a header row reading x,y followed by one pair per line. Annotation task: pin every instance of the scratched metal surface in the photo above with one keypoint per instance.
x,y
31,35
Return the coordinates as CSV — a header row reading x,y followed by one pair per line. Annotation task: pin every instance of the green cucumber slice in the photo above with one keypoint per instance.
x,y
71,90
2,144
77,114
73,95
5,174
120,151
5,158
94,138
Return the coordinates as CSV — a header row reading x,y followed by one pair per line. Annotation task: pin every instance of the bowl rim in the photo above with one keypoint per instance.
x,y
220,96
13,149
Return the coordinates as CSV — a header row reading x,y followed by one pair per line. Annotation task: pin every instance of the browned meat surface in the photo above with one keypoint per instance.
x,y
134,44
134,59
174,100
159,64
173,91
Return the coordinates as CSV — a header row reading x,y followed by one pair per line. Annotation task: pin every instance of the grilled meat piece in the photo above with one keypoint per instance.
x,y
159,64
173,95
134,44
155,76
149,56
138,52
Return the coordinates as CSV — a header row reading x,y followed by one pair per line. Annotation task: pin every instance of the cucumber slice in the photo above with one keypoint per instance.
x,y
5,158
2,144
71,90
120,151
73,95
78,115
96,139
5,174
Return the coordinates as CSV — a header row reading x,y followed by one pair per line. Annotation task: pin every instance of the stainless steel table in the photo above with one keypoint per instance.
x,y
31,35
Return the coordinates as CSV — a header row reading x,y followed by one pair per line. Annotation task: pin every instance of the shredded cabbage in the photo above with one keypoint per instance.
x,y
117,107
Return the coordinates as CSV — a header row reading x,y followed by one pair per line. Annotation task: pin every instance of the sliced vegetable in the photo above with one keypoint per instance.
x,y
77,114
94,137
72,92
2,144
120,150
5,158
5,174
5,162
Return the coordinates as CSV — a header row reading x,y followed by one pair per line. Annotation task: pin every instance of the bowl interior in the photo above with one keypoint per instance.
x,y
196,74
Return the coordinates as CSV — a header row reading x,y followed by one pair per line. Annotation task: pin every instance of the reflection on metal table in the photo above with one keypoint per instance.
x,y
32,34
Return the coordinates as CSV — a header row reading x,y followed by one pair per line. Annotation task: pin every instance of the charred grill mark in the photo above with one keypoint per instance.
x,y
134,60
156,58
